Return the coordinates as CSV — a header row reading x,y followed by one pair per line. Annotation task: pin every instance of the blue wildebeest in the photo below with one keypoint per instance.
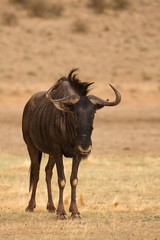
x,y
60,122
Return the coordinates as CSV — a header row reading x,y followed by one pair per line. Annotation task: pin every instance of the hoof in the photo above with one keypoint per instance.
x,y
29,209
51,208
76,216
31,206
62,217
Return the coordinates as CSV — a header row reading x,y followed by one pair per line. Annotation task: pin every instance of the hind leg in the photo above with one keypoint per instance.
x,y
35,156
48,169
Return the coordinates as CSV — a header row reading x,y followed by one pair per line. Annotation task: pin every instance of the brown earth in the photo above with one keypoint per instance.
x,y
120,47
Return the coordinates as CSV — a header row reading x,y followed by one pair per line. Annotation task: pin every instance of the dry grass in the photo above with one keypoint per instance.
x,y
118,199
97,6
100,6
121,4
9,19
23,2
79,26
41,8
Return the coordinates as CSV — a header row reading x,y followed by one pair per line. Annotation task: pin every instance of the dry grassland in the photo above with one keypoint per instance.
x,y
118,199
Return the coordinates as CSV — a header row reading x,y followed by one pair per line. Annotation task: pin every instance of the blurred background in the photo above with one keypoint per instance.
x,y
110,41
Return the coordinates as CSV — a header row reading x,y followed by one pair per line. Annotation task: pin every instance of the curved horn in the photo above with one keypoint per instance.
x,y
101,103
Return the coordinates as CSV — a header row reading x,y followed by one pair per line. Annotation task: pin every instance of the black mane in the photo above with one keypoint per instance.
x,y
69,85
82,88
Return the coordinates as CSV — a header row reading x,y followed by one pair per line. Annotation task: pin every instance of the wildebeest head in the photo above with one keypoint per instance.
x,y
75,99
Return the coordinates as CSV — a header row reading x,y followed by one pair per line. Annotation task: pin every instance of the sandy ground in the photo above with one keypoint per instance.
x,y
120,47
114,134
36,52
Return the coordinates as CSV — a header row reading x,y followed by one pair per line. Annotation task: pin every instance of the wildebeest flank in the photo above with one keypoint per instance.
x,y
60,122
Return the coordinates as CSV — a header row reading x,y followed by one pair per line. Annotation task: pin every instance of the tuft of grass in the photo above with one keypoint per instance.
x,y
115,201
1,90
31,73
80,26
106,28
41,8
19,1
15,92
9,19
146,76
121,4
98,6
81,200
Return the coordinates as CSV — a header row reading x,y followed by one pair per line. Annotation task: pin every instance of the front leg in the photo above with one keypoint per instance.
x,y
61,213
74,181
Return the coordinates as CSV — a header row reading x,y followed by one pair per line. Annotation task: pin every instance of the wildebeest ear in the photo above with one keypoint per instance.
x,y
65,104
62,106
96,102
